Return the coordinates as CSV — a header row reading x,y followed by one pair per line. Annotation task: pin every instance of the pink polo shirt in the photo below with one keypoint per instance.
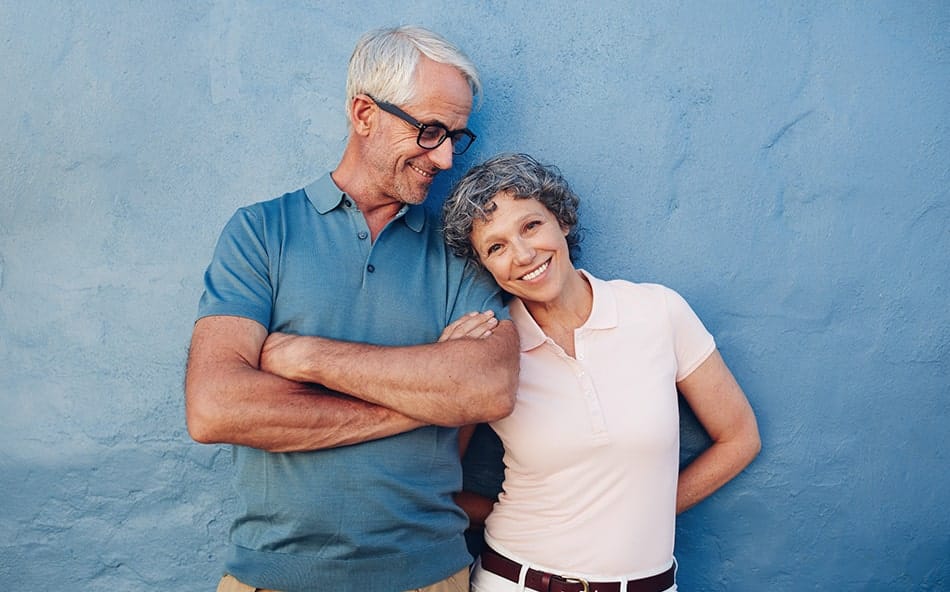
x,y
592,447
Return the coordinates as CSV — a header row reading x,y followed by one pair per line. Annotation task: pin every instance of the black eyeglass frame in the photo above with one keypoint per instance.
x,y
422,127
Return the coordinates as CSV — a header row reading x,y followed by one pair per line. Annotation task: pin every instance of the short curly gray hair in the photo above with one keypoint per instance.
x,y
519,175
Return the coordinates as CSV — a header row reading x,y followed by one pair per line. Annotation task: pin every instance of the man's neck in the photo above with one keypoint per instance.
x,y
377,212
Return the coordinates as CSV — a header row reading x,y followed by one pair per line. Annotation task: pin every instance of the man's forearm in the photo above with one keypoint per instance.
x,y
451,383
228,400
271,413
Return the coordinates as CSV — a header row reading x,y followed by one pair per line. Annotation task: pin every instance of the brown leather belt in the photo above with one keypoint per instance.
x,y
541,581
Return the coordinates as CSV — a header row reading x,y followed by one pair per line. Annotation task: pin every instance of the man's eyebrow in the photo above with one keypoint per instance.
x,y
439,123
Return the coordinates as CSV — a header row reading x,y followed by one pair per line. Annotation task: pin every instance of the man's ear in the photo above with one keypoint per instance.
x,y
362,114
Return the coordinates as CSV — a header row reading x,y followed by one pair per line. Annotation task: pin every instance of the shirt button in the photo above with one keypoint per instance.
x,y
370,268
362,235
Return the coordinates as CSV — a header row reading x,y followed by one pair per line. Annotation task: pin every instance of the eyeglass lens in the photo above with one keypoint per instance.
x,y
431,136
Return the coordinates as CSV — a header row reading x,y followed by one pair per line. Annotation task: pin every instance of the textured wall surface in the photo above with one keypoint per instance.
x,y
785,166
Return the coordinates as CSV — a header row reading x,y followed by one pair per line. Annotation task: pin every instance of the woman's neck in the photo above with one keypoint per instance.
x,y
560,317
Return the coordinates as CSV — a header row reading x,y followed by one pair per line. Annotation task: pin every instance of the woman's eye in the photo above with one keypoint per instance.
x,y
493,249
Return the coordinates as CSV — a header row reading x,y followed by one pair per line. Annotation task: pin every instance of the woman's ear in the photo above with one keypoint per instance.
x,y
362,114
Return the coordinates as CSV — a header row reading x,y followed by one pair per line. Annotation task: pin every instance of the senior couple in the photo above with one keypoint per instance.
x,y
345,346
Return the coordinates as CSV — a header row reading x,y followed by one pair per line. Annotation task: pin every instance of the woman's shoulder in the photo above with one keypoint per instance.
x,y
642,289
647,295
629,292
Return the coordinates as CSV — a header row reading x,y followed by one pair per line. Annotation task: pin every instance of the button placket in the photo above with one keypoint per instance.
x,y
589,389
362,233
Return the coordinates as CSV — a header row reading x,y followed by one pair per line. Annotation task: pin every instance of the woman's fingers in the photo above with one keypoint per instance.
x,y
474,325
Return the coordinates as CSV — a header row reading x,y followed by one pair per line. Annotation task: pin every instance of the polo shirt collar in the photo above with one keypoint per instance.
x,y
325,196
414,216
603,314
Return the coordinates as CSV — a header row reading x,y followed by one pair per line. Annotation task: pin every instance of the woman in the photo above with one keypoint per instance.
x,y
592,486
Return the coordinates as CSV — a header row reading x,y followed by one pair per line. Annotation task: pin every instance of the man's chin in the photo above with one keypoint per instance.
x,y
416,197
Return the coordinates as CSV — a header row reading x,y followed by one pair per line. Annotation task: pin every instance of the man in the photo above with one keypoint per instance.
x,y
317,351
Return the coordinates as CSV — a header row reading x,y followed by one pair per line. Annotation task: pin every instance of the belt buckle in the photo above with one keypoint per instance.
x,y
569,580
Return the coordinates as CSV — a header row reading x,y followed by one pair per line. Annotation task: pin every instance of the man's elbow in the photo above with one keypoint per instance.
x,y
200,430
200,417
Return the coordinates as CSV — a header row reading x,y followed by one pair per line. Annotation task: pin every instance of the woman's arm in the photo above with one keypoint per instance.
x,y
476,506
473,325
722,408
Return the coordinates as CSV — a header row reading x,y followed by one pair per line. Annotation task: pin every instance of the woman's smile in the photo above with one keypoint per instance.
x,y
537,272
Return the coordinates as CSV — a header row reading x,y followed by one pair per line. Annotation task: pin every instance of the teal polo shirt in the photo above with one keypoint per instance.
x,y
376,516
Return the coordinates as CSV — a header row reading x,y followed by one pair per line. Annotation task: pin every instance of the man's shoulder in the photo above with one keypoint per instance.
x,y
291,197
275,206
311,191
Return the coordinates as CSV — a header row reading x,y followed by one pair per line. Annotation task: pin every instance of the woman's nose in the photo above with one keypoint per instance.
x,y
524,252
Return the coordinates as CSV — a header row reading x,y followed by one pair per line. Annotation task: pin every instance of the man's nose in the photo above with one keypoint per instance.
x,y
441,156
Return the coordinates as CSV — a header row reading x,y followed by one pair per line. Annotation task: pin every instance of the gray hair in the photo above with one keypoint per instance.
x,y
522,177
384,62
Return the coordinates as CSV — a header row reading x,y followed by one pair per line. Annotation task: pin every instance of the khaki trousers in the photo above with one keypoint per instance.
x,y
457,582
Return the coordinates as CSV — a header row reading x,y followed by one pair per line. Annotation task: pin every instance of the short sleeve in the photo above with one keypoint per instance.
x,y
691,341
238,282
479,292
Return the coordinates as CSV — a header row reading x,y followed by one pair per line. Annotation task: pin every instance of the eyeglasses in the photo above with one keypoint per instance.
x,y
431,135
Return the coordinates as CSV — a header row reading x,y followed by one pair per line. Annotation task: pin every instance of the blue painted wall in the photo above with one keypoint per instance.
x,y
785,166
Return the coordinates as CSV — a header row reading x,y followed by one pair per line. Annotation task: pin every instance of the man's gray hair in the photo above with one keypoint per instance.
x,y
384,62
522,177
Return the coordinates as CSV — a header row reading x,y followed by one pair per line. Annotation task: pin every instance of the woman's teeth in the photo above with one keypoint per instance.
x,y
536,272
